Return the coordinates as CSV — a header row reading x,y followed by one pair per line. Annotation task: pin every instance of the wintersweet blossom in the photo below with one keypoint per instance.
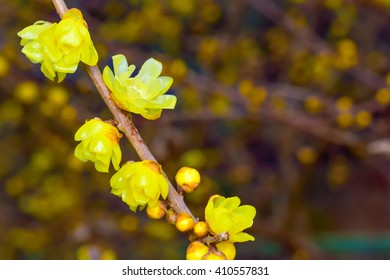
x,y
99,144
140,184
59,47
143,94
225,215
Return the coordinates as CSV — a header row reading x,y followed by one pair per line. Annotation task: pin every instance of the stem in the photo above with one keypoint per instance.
x,y
126,125
60,6
216,238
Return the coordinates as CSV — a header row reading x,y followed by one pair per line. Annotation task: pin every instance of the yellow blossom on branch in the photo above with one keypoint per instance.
x,y
99,144
225,215
140,184
59,47
143,94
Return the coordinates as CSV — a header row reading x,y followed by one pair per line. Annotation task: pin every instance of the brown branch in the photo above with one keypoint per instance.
x,y
216,238
126,125
313,126
60,6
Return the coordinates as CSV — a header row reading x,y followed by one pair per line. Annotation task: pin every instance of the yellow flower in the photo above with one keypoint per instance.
x,y
59,47
225,215
140,184
99,144
143,94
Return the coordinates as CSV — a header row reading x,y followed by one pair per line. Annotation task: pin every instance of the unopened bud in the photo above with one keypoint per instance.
x,y
196,251
156,212
227,248
201,229
214,255
188,179
171,216
184,222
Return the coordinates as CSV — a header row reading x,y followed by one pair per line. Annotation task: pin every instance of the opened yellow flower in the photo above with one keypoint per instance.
x,y
143,94
59,47
99,144
225,215
140,184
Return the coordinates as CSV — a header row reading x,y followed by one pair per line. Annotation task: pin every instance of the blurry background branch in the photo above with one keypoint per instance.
x,y
305,36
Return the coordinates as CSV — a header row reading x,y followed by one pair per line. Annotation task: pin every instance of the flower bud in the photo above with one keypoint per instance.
x,y
201,229
188,179
227,248
196,251
214,255
184,222
171,216
156,212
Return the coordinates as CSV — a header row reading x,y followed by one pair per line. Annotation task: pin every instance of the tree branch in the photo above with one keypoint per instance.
x,y
126,125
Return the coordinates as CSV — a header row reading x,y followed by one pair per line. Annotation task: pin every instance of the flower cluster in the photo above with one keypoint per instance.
x,y
143,94
140,184
59,47
99,144
225,215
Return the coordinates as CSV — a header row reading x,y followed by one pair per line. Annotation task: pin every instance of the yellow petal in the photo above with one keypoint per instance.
x,y
61,66
116,157
245,215
164,102
120,64
241,237
32,32
47,69
101,166
108,78
150,70
33,52
89,55
231,202
164,187
158,87
69,40
78,153
61,76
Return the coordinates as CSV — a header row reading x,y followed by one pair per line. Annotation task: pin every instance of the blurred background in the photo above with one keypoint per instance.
x,y
282,103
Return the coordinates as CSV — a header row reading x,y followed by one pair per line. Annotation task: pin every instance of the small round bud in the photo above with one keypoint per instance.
x,y
171,216
201,229
214,255
196,251
227,248
184,222
188,179
156,212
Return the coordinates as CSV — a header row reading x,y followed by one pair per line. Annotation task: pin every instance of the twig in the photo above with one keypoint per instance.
x,y
60,6
126,125
216,238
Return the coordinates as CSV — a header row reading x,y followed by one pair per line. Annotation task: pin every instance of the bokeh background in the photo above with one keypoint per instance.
x,y
282,103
